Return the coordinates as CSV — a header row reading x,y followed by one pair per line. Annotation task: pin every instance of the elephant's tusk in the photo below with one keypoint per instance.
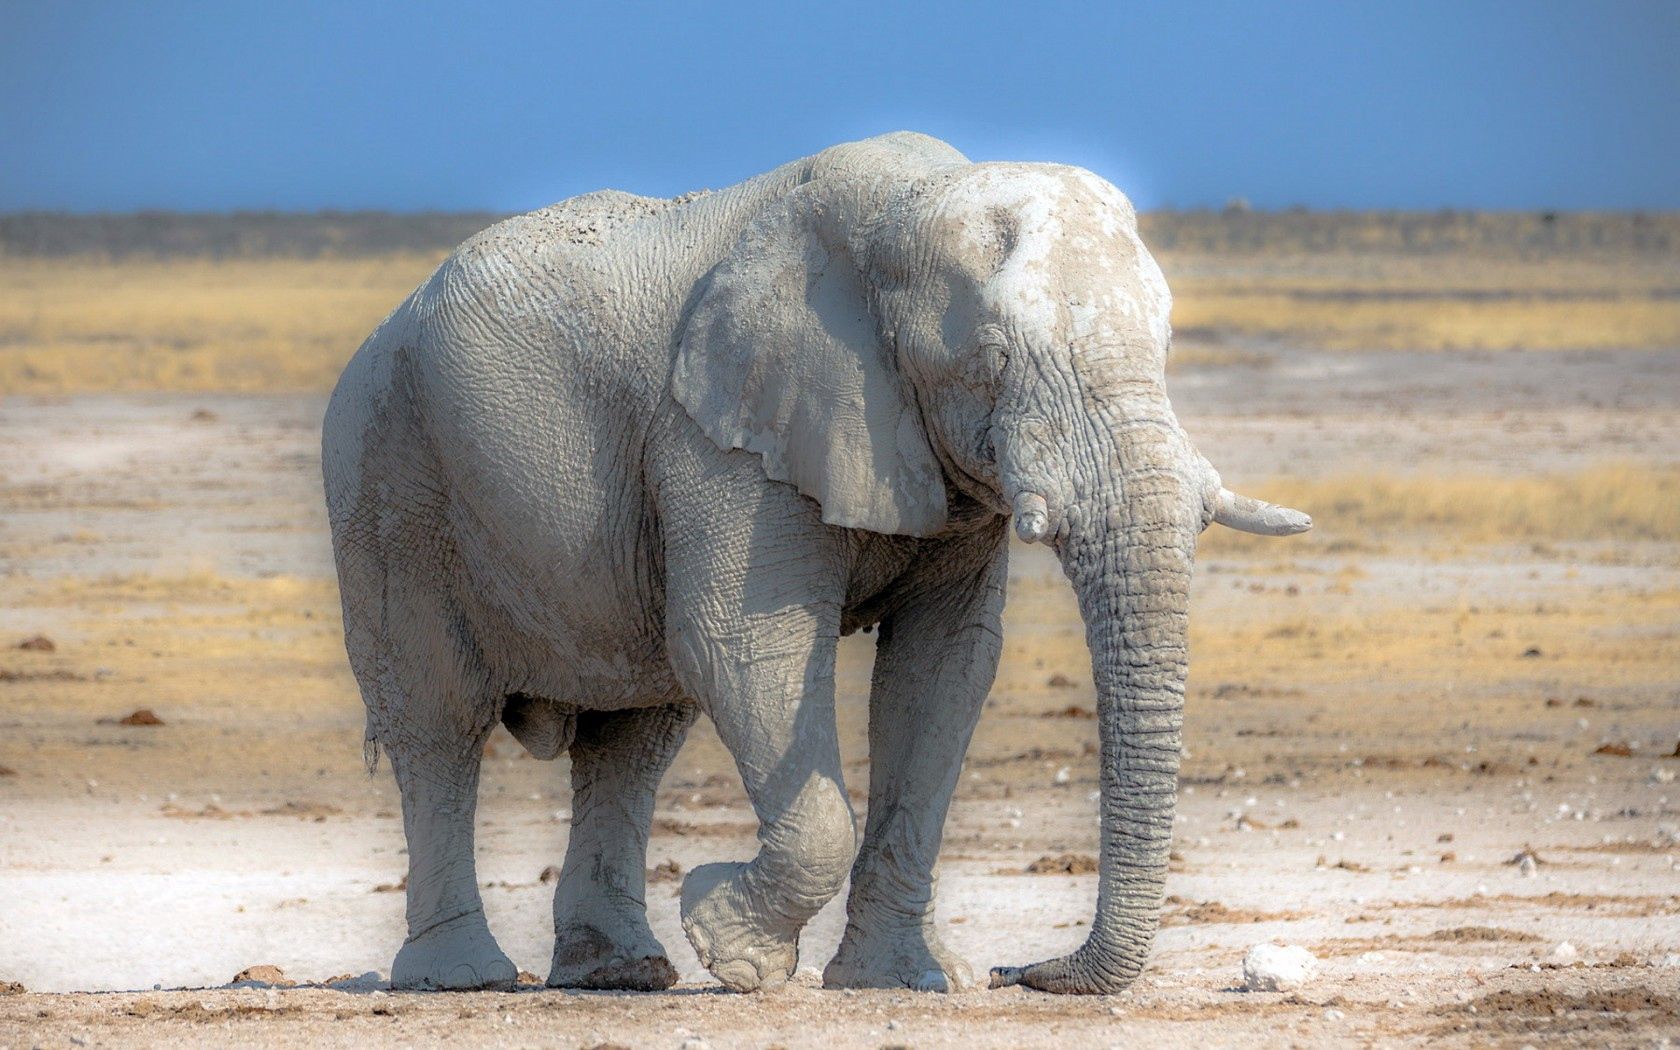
x,y
1032,517
1246,514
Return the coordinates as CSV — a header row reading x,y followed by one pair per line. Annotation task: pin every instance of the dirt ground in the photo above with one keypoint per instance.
x,y
1381,719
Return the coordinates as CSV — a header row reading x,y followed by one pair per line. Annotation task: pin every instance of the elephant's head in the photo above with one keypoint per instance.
x,y
906,328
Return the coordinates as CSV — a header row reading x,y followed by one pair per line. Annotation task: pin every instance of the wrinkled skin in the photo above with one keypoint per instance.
x,y
622,461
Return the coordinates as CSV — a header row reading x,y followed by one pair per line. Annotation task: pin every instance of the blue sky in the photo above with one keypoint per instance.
x,y
214,106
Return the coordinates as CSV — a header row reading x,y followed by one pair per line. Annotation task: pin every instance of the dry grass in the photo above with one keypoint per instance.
x,y
249,325
196,639
255,324
1428,322
1586,635
1467,301
1614,502
259,598
1327,653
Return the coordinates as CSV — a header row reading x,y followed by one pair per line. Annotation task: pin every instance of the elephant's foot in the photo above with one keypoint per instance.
x,y
455,956
740,943
587,957
896,956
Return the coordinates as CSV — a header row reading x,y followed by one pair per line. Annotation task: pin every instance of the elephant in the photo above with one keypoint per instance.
x,y
623,460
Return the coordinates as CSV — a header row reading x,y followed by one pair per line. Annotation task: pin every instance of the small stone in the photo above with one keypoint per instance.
x,y
1563,955
1277,968
39,643
1671,961
270,975
371,981
694,1042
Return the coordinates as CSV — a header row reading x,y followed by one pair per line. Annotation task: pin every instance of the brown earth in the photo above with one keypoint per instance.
x,y
1382,714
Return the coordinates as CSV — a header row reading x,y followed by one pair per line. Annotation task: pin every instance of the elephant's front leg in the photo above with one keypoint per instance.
x,y
934,664
755,646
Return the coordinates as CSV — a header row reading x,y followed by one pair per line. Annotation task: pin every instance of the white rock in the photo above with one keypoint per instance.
x,y
1277,968
1563,955
1671,961
1526,867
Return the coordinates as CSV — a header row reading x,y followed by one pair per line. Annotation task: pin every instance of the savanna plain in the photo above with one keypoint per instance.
x,y
1434,741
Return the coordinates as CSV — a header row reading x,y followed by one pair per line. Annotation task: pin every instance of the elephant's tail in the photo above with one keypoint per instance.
x,y
370,750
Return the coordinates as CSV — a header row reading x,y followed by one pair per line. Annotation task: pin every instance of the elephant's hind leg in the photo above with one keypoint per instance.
x,y
601,934
449,946
428,706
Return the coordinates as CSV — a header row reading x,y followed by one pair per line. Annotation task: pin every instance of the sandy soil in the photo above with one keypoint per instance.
x,y
1377,727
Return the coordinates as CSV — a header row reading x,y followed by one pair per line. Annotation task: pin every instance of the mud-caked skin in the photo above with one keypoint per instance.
x,y
623,461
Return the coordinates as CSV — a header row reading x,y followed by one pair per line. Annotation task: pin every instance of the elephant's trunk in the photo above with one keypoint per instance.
x,y
1128,547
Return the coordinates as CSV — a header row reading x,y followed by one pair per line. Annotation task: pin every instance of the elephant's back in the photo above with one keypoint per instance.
x,y
575,293
582,222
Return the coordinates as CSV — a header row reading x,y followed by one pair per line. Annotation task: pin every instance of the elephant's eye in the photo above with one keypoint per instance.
x,y
990,357
982,370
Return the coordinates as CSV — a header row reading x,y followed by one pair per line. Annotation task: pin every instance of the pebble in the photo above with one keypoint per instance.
x,y
1277,968
1563,955
1526,867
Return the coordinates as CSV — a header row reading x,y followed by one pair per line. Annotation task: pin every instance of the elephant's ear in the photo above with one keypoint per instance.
x,y
782,355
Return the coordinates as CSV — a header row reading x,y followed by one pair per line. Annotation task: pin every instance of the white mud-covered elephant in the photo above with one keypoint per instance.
x,y
622,461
